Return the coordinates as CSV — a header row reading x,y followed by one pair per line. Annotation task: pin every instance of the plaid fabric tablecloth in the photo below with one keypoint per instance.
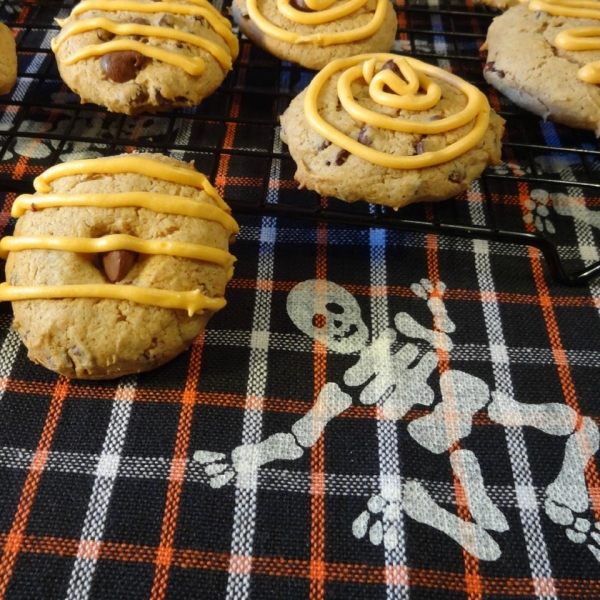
x,y
443,441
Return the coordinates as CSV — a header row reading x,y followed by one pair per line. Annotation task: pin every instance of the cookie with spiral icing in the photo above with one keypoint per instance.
x,y
116,264
136,56
312,33
390,130
545,57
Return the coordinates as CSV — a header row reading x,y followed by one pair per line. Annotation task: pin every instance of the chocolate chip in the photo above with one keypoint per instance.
x,y
325,144
139,21
140,98
117,264
104,36
342,157
166,21
338,106
419,147
390,64
327,163
161,100
300,5
490,67
364,135
435,118
123,65
456,177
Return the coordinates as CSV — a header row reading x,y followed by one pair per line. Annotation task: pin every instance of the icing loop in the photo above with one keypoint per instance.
x,y
193,301
322,12
400,83
576,39
194,66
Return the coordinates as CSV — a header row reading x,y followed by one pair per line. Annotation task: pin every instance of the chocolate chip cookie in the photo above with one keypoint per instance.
x,y
153,56
530,63
8,64
390,130
116,264
311,33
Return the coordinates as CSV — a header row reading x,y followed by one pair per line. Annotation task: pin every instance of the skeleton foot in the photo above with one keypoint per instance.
x,y
421,507
247,459
433,293
567,497
381,519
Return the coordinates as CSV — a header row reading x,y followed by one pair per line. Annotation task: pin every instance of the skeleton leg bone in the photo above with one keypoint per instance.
x,y
551,418
462,396
248,458
421,507
569,207
466,467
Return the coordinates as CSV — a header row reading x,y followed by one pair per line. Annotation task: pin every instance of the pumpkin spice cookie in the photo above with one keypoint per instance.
x,y
116,264
143,55
312,33
8,64
390,130
541,55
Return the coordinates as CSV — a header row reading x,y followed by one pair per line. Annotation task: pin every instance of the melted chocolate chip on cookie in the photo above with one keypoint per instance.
x,y
123,65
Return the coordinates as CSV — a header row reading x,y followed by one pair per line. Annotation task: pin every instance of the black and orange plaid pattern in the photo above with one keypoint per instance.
x,y
100,496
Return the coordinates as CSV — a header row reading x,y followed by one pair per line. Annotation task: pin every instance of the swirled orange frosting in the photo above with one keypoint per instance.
x,y
193,301
192,65
576,39
322,12
413,89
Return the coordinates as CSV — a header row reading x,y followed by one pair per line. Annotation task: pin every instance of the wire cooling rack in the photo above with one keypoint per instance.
x,y
233,136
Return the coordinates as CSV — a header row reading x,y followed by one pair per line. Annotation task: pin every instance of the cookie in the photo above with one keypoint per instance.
x,y
116,264
312,33
144,55
8,64
390,130
533,60
499,4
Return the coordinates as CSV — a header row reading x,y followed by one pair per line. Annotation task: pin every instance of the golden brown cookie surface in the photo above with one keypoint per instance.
x,y
134,283
354,135
144,56
8,64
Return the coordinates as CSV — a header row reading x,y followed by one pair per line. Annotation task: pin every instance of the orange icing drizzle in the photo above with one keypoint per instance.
x,y
407,94
193,301
192,65
576,39
324,12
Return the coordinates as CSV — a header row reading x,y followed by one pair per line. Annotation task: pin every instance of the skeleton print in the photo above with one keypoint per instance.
x,y
395,370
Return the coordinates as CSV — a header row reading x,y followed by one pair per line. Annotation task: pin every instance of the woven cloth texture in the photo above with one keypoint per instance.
x,y
441,442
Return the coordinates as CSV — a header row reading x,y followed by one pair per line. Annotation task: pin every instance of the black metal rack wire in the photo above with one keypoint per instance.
x,y
233,136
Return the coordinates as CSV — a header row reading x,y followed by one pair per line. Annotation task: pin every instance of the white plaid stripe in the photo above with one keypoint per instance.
x,y
539,560
525,355
244,516
8,355
587,244
293,482
387,430
107,469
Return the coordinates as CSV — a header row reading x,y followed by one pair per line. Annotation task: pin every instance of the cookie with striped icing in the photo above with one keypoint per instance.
x,y
138,56
116,264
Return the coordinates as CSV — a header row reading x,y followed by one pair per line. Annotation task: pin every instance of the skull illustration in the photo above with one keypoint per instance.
x,y
328,313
